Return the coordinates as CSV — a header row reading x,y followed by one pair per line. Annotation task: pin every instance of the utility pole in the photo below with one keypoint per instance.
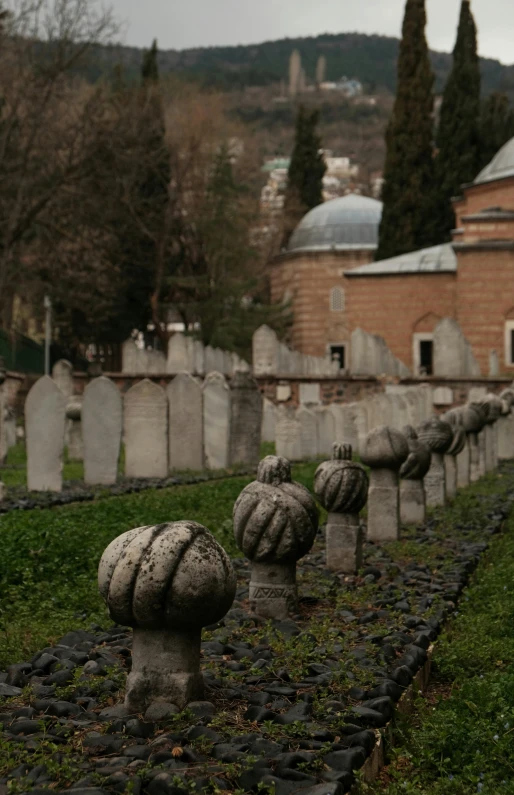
x,y
48,332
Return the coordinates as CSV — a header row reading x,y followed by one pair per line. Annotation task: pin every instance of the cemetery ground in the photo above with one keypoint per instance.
x,y
296,703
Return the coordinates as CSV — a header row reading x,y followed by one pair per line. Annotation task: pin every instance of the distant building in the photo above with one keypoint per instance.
x,y
338,178
348,87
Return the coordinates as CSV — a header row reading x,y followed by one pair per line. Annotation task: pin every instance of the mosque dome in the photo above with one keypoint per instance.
x,y
501,166
349,222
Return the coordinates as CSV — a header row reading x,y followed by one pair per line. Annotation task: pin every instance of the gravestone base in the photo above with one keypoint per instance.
x,y
435,482
165,667
273,591
463,466
412,502
383,506
482,453
505,427
344,542
450,472
474,457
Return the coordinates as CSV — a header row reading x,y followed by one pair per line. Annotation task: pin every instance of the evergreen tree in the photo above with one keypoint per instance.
x,y
496,126
458,142
408,192
306,171
149,68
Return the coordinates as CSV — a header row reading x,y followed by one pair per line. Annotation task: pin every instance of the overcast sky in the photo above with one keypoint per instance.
x,y
180,24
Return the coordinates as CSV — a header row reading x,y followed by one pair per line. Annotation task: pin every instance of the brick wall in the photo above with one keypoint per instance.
x,y
481,197
307,279
395,307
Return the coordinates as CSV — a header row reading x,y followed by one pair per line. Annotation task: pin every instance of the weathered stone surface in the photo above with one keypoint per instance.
x,y
246,419
308,433
341,486
216,419
145,431
166,581
269,419
453,355
385,450
418,462
371,356
309,394
326,427
45,416
412,502
102,413
185,423
288,434
265,351
450,474
435,482
506,427
436,434
464,466
62,374
74,428
275,523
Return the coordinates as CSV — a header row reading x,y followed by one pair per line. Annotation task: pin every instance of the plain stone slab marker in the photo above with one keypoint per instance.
x,y
308,433
74,430
145,431
62,373
167,582
102,413
185,423
412,489
506,427
341,486
216,421
246,419
384,450
275,524
45,418
288,434
438,437
326,428
269,419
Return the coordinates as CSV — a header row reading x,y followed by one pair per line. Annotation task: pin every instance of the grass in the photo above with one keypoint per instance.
x,y
49,558
461,740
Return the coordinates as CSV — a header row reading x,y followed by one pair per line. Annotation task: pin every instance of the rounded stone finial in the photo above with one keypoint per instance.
x,y
275,518
508,396
167,576
418,463
74,408
473,418
385,448
436,434
341,485
493,408
454,418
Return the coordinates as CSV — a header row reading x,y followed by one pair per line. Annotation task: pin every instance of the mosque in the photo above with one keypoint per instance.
x,y
329,275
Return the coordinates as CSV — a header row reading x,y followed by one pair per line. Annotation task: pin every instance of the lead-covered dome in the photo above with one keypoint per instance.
x,y
349,222
500,167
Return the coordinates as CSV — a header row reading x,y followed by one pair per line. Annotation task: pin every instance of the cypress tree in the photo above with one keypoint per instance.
x,y
458,142
408,191
149,68
496,126
306,170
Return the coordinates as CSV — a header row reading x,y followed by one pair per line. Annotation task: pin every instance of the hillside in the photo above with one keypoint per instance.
x,y
371,59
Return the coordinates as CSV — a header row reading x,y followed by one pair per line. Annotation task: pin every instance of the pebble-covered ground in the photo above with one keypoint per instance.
x,y
289,706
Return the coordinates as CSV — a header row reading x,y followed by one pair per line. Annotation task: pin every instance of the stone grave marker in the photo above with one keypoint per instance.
x,y
384,451
185,423
269,418
102,413
216,421
45,416
145,431
62,374
246,420
288,434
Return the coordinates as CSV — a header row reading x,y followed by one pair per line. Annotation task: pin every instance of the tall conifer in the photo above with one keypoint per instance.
x,y
408,190
496,126
458,140
306,170
150,68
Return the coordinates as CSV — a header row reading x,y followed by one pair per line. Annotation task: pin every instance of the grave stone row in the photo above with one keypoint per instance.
x,y
185,354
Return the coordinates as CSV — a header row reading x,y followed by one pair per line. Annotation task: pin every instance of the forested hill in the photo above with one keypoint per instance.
x,y
371,59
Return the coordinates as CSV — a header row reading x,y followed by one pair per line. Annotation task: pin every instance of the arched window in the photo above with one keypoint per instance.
x,y
337,299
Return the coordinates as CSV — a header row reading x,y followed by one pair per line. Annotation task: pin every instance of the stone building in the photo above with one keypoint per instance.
x,y
446,310
333,238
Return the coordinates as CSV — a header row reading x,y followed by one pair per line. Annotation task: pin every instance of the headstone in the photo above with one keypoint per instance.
x,y
326,430
506,427
269,418
288,434
62,373
102,414
178,355
438,437
494,365
145,431
308,433
167,582
283,392
199,357
384,451
74,429
412,489
453,355
309,394
246,420
185,423
341,486
370,355
443,396
350,425
216,421
45,416
275,524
